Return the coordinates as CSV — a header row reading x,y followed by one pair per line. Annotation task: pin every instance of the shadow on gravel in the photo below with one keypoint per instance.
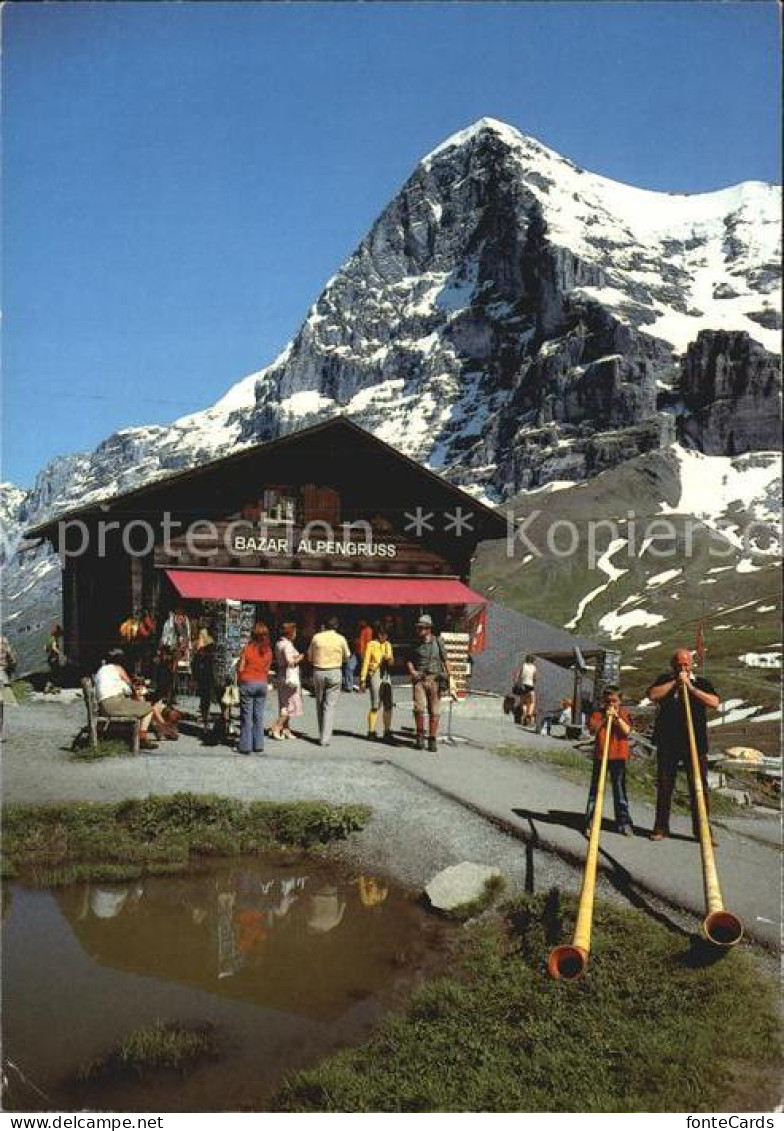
x,y
619,876
569,819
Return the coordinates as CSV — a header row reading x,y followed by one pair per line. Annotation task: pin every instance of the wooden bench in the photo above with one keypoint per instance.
x,y
97,721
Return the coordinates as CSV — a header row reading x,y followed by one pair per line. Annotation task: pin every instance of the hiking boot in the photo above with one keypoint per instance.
x,y
626,830
659,834
420,742
147,744
432,745
389,738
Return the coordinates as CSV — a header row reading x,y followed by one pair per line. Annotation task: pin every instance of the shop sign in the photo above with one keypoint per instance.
x,y
326,547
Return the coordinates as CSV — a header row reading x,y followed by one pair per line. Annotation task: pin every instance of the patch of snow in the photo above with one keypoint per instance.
x,y
646,647
458,290
605,564
768,717
551,487
737,608
710,485
761,659
734,716
766,608
662,578
306,402
618,624
584,603
588,214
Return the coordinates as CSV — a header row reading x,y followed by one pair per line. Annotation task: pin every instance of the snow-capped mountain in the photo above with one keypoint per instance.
x,y
506,306
509,320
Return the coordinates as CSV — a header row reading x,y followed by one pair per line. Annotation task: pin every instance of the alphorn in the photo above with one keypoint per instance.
x,y
719,926
570,960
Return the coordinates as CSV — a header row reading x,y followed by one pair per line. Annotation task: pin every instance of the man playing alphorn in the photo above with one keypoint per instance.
x,y
671,735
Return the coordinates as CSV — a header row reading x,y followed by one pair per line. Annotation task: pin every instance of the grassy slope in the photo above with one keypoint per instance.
x,y
551,587
651,1028
74,841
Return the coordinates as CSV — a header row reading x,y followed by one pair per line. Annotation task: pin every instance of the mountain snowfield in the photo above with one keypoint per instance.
x,y
720,567
510,320
721,248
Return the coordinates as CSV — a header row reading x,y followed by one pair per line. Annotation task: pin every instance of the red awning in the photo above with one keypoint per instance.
x,y
296,589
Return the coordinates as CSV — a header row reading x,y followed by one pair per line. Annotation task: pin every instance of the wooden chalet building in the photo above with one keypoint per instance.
x,y
326,520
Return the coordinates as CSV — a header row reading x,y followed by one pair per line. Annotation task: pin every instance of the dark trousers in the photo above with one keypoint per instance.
x,y
616,767
667,768
207,691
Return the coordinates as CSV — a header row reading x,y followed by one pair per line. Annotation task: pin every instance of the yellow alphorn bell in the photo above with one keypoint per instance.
x,y
570,960
719,926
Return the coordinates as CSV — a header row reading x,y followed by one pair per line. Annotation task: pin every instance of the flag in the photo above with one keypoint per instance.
x,y
700,645
477,629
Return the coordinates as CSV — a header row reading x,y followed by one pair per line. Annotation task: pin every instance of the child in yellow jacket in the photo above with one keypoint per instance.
x,y
376,662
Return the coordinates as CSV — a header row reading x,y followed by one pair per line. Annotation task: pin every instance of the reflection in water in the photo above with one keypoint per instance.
x,y
371,892
286,962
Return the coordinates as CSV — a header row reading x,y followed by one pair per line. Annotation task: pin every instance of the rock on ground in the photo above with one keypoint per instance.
x,y
459,884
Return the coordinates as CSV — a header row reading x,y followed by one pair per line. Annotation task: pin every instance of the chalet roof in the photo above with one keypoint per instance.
x,y
338,428
511,634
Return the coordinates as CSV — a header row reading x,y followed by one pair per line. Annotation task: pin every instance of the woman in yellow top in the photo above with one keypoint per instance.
x,y
376,662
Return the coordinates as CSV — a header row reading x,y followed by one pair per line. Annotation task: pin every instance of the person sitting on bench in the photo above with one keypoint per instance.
x,y
114,692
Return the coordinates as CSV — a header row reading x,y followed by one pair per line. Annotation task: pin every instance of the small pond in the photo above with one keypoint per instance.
x,y
287,963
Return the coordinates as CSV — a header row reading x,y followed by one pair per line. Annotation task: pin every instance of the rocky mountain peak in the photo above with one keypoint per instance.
x,y
510,320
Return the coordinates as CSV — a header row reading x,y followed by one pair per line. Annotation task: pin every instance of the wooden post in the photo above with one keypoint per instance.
x,y
577,695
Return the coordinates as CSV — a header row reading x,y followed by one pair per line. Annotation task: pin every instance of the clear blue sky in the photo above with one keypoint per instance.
x,y
179,180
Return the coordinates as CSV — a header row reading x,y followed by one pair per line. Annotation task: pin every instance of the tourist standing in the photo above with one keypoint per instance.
x,y
327,653
524,687
145,640
203,670
354,663
7,669
253,675
671,737
163,674
54,654
429,670
376,665
287,662
7,662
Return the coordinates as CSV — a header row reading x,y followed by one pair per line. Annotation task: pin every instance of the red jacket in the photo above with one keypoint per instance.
x,y
257,665
619,742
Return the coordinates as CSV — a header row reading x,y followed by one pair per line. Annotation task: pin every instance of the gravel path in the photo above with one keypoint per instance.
x,y
429,811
